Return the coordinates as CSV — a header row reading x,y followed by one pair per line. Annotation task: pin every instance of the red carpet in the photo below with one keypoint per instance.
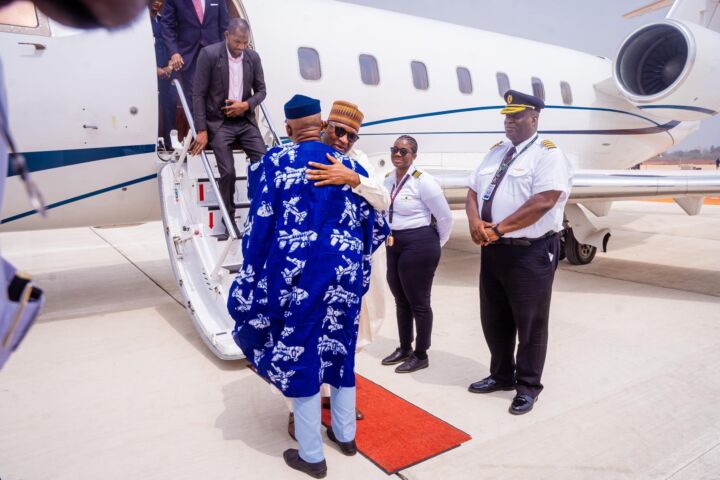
x,y
395,434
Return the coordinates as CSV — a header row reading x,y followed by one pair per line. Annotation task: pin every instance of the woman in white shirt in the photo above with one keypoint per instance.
x,y
413,251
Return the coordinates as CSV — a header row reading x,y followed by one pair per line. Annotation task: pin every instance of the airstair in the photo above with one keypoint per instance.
x,y
204,256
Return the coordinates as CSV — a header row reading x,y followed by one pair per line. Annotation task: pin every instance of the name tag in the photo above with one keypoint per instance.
x,y
488,193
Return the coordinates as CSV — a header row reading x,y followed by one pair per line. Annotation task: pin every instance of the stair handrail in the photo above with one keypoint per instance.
x,y
270,124
229,222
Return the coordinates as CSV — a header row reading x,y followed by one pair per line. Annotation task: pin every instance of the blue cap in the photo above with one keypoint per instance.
x,y
518,101
301,106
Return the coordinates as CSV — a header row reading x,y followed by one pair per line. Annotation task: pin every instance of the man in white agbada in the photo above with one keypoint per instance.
x,y
341,133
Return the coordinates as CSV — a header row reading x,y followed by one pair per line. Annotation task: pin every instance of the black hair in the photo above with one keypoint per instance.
x,y
238,25
413,143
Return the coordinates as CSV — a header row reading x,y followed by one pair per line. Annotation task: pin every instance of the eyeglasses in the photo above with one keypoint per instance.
x,y
341,132
401,151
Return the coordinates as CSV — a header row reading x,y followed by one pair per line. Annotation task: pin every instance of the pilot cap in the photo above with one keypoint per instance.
x,y
518,101
301,106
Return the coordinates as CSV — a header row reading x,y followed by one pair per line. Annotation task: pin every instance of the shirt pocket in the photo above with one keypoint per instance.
x,y
520,177
483,178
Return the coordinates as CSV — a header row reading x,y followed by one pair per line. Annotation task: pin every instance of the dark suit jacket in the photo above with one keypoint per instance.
x,y
184,34
212,78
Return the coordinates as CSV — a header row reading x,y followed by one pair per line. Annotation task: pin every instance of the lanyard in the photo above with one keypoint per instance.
x,y
502,169
394,193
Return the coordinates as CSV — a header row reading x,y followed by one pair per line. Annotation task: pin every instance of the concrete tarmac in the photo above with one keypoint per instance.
x,y
114,383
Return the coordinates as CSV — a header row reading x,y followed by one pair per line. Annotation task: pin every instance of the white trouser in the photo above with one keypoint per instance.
x,y
308,421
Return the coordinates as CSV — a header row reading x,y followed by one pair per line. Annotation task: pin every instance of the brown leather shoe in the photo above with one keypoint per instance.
x,y
293,460
291,426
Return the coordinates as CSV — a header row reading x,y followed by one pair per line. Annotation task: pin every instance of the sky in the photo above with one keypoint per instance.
x,y
598,28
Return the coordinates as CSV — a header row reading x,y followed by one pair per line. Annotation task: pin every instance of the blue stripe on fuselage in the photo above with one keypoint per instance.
x,y
80,197
38,161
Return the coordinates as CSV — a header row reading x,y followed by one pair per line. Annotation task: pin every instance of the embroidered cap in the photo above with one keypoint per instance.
x,y
301,106
346,113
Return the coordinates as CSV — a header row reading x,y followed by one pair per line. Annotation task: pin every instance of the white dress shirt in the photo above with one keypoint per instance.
x,y
419,199
371,188
235,80
536,169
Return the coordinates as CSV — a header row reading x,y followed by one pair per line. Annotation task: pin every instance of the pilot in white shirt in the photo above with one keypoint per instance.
x,y
515,210
413,251
538,166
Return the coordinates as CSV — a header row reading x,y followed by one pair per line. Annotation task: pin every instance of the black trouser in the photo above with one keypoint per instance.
x,y
250,140
411,265
515,290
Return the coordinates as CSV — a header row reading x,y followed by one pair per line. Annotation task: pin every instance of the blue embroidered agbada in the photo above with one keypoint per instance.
x,y
306,266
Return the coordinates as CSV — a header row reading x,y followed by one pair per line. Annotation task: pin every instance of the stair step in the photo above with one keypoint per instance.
x,y
233,268
215,208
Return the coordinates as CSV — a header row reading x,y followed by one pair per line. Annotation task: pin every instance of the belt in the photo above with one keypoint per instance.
x,y
522,242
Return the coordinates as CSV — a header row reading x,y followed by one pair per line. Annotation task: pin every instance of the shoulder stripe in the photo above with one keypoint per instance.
x,y
417,174
496,145
548,144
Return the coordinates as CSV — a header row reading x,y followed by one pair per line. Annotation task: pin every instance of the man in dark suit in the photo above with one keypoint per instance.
x,y
229,85
166,93
187,26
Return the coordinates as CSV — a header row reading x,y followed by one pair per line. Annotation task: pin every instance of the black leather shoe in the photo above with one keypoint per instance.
x,y
348,448
315,470
487,385
398,356
413,364
291,426
521,404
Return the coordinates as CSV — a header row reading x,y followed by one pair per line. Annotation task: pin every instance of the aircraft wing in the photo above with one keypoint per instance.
x,y
597,189
651,7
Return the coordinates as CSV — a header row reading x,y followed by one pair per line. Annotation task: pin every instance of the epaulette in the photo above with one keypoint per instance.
x,y
417,173
496,145
388,174
548,144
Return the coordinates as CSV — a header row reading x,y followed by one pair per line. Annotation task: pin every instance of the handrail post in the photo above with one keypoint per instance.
x,y
270,124
229,222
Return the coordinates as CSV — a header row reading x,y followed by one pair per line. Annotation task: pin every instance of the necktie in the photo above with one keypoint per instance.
x,y
199,9
486,211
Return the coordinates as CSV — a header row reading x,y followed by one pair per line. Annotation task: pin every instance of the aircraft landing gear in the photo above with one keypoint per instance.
x,y
576,253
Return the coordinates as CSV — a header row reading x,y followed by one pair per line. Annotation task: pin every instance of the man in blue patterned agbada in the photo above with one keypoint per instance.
x,y
296,300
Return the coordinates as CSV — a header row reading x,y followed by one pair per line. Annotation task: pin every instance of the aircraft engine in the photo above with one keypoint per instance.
x,y
671,67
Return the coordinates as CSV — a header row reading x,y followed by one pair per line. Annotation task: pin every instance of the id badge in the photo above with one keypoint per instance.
x,y
488,193
390,241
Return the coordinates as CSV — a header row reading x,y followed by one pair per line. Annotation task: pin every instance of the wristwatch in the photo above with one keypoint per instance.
x,y
497,232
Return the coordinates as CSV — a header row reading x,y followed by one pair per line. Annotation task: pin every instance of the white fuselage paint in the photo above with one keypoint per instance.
x,y
98,79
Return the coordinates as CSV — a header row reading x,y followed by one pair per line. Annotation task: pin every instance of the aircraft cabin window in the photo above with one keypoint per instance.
x,y
538,88
420,75
309,63
369,72
503,83
19,14
566,93
464,80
